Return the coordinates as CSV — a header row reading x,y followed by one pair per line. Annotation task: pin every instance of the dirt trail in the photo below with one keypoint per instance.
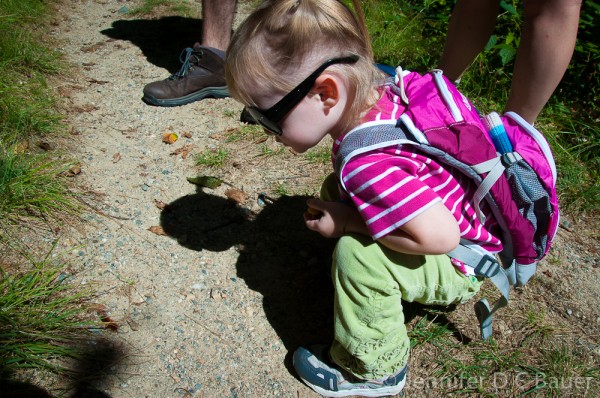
x,y
195,316
215,307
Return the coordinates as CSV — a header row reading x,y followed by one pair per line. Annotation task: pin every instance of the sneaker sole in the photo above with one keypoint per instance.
x,y
307,362
361,392
209,92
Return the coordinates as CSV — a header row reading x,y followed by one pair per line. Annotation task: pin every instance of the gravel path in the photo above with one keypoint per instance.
x,y
210,298
209,310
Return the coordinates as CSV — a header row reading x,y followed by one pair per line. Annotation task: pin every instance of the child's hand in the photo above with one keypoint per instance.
x,y
327,218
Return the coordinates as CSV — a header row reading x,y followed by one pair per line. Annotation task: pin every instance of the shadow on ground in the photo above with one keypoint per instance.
x,y
279,257
97,361
161,40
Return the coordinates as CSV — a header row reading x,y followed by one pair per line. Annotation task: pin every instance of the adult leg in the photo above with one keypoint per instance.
x,y
547,43
471,25
217,22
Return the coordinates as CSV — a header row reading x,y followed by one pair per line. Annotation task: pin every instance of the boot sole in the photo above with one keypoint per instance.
x,y
209,92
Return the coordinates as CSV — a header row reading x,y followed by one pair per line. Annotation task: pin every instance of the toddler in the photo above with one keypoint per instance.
x,y
304,69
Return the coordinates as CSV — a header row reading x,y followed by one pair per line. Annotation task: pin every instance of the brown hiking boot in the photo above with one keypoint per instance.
x,y
201,75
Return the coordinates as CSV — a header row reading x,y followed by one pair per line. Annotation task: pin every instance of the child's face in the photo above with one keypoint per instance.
x,y
315,116
303,128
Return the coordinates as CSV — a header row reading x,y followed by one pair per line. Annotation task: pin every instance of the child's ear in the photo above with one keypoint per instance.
x,y
327,88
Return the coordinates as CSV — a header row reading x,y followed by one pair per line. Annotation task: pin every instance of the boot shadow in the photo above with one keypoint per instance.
x,y
160,40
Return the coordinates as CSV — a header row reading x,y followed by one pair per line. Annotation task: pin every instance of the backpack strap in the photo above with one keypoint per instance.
x,y
485,265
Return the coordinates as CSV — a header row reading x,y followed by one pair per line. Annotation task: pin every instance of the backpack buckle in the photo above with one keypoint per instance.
x,y
488,266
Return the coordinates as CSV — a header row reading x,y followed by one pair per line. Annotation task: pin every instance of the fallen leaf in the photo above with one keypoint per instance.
x,y
133,324
21,147
157,230
205,181
75,170
261,139
103,313
45,145
116,157
184,150
85,108
187,134
160,204
236,195
169,138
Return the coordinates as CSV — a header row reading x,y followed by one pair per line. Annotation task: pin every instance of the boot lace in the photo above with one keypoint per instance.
x,y
186,60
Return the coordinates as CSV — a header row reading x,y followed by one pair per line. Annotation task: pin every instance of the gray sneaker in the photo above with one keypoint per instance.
x,y
202,75
325,378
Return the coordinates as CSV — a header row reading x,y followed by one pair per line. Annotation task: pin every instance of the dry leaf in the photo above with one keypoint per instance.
x,y
169,138
75,170
261,139
21,147
116,157
236,195
160,204
102,311
184,150
157,230
187,134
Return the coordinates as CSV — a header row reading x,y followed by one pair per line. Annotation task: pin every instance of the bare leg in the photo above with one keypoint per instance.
x,y
470,28
547,43
217,21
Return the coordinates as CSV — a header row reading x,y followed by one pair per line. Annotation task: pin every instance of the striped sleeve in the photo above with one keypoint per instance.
x,y
387,191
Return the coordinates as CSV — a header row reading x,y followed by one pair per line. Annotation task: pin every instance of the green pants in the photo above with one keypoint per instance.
x,y
370,280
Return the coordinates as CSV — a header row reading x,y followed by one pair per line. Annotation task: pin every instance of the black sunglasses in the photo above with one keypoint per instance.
x,y
269,119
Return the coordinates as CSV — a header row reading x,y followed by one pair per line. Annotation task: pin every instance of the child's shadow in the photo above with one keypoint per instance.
x,y
278,257
160,40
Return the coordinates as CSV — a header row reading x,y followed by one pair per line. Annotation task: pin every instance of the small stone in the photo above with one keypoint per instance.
x,y
569,312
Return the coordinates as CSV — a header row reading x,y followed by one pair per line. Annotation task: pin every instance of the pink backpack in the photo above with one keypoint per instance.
x,y
509,160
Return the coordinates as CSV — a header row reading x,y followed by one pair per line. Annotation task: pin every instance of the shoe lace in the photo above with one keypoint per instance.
x,y
185,59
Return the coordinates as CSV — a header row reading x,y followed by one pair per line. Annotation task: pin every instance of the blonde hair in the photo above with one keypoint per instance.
x,y
283,41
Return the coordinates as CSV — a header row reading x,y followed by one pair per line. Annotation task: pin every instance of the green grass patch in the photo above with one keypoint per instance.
x,y
42,317
319,154
246,132
32,186
212,157
270,151
179,7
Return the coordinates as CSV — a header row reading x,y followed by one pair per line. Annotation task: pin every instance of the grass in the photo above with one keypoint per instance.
x,y
177,7
212,157
41,317
41,314
553,367
246,132
33,186
320,155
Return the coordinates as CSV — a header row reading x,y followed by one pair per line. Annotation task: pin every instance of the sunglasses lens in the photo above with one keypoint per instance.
x,y
270,127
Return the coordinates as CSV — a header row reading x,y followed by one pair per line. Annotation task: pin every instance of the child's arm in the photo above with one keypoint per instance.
x,y
435,231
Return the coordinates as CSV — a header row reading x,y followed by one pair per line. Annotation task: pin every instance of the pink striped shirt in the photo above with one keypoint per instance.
x,y
393,185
